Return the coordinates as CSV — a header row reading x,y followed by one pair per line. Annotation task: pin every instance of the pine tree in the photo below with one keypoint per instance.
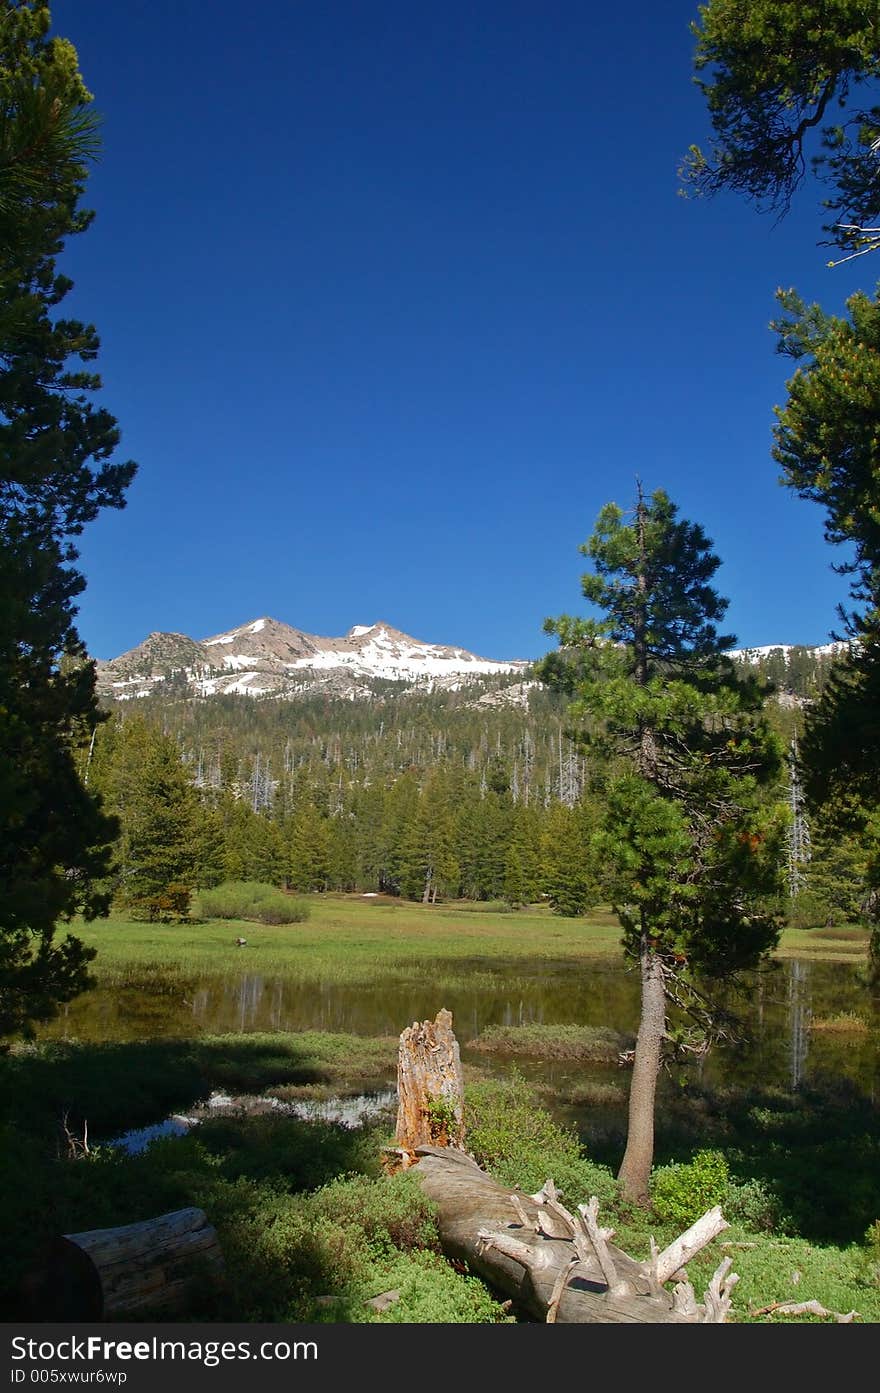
x,y
826,442
309,862
428,864
253,846
569,876
55,476
522,865
687,846
161,851
782,94
399,814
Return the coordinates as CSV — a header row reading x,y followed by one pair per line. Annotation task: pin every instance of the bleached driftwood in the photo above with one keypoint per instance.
x,y
557,1266
805,1308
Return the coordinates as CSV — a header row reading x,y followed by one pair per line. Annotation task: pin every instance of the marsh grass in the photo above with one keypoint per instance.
x,y
590,1093
844,1023
349,940
832,944
854,934
590,1044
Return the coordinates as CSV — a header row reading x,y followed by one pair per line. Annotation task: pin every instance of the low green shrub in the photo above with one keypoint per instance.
x,y
753,1204
809,911
250,900
287,1151
592,1043
519,1143
389,1212
681,1193
432,1292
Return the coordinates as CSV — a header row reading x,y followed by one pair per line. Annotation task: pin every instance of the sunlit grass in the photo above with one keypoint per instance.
x,y
349,940
595,1044
841,944
844,1023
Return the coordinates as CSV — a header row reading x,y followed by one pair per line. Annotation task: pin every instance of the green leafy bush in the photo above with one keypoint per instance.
x,y
389,1213
514,1139
432,1292
250,900
809,911
681,1193
754,1205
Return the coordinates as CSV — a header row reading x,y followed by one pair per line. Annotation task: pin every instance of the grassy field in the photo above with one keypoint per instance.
x,y
349,938
303,1209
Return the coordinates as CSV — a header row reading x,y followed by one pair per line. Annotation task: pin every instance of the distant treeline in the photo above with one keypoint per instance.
x,y
419,794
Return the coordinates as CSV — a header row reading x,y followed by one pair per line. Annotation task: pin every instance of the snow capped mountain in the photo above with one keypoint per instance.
x,y
268,658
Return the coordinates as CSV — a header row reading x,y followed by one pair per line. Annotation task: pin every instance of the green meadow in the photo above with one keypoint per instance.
x,y
310,1226
353,939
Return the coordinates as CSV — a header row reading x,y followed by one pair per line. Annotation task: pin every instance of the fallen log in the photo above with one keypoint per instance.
x,y
120,1272
557,1266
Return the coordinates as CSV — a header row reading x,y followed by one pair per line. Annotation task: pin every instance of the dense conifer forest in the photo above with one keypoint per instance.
x,y
483,793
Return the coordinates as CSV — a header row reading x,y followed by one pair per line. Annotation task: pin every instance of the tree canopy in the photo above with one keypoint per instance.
x,y
687,842
782,80
791,88
826,434
56,472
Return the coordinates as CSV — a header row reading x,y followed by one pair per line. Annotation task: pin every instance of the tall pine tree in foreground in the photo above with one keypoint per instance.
x,y
689,843
56,473
790,92
826,439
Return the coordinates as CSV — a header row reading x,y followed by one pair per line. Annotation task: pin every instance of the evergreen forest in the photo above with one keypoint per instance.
x,y
430,796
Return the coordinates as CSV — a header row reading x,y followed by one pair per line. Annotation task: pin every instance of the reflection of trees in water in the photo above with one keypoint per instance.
x,y
777,1008
799,1016
249,999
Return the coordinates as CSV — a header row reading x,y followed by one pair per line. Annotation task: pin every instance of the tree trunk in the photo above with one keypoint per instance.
x,y
635,1170
430,1087
556,1266
122,1272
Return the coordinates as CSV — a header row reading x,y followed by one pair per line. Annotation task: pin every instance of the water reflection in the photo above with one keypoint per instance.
x,y
777,1009
799,1013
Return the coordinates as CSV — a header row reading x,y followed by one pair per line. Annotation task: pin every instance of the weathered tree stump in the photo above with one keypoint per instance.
x,y
560,1267
430,1088
120,1272
555,1266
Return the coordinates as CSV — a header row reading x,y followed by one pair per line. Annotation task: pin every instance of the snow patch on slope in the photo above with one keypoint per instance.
x,y
751,654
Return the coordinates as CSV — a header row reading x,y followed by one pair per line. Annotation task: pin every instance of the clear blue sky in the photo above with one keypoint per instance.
x,y
394,297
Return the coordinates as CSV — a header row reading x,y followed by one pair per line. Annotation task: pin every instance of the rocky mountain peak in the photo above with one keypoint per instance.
x,y
266,657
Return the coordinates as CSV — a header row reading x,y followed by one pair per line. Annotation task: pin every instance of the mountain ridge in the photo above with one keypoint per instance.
x,y
267,657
